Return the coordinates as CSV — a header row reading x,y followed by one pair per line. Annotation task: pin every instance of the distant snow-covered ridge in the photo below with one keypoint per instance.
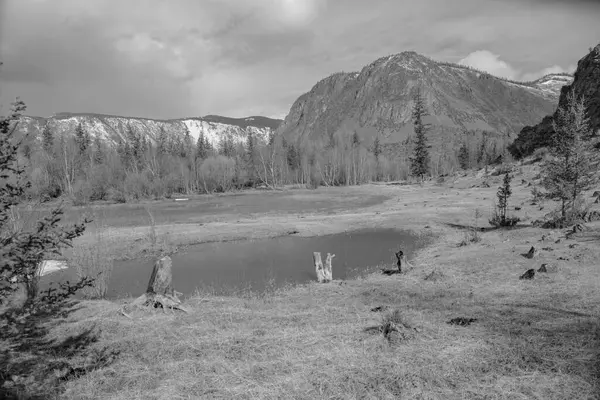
x,y
112,129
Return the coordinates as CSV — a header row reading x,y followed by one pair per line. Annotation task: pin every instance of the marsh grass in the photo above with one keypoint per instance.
x,y
94,260
537,339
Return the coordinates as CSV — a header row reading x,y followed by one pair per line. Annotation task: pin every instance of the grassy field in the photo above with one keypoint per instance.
x,y
532,339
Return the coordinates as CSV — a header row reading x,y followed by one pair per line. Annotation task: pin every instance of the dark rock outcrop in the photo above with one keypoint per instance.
x,y
586,83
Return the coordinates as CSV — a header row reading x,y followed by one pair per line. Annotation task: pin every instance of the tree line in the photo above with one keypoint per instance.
x,y
89,169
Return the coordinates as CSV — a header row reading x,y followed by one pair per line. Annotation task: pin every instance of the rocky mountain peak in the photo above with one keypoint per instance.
x,y
378,101
586,84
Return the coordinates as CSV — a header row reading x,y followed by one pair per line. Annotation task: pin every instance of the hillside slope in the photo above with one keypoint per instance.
x,y
378,100
586,83
112,128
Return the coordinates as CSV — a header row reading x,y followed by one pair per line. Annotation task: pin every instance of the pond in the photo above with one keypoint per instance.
x,y
227,267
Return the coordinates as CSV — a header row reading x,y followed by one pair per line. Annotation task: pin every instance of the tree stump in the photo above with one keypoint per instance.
x,y
400,258
529,274
160,291
532,253
324,273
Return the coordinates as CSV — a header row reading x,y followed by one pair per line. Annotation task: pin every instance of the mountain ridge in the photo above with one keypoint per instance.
x,y
377,100
112,128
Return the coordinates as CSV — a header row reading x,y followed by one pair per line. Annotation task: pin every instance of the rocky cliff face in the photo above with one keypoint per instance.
x,y
378,101
113,128
586,83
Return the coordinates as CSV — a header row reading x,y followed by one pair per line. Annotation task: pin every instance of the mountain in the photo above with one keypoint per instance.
x,y
586,83
112,128
378,101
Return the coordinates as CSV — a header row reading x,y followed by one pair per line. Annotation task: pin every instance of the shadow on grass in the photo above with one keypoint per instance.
x,y
534,338
34,365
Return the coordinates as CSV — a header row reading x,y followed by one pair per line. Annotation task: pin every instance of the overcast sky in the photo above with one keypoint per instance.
x,y
180,58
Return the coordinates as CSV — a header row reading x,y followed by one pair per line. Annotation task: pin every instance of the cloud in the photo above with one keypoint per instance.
x,y
487,61
169,59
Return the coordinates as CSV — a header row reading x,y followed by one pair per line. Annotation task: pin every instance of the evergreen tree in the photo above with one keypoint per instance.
x,y
98,156
419,161
201,150
570,170
161,142
482,152
463,156
82,139
293,157
504,192
187,144
251,156
21,252
47,139
377,148
271,140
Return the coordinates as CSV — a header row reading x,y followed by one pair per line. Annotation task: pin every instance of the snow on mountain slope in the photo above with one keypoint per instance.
x,y
113,128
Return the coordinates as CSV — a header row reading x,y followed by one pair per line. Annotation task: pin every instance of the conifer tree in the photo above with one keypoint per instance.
x,y
82,139
201,150
463,156
570,169
419,161
47,139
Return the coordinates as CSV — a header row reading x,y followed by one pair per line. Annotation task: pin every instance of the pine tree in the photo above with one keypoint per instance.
x,y
504,192
98,156
377,148
47,139
419,162
208,146
271,140
463,156
251,156
187,144
201,151
161,142
570,170
82,139
21,252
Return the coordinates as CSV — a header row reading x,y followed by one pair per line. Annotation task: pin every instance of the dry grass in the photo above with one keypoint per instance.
x,y
536,339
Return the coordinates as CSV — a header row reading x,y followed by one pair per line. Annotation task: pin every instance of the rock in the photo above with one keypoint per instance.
x,y
517,208
573,245
529,274
379,308
532,253
461,321
596,194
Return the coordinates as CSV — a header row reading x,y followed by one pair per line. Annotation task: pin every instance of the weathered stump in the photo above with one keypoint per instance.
x,y
328,268
160,291
324,272
532,253
399,257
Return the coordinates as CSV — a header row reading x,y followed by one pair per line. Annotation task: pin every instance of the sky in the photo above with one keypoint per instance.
x,y
185,58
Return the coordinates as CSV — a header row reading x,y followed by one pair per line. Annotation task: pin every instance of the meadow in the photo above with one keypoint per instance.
x,y
373,337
